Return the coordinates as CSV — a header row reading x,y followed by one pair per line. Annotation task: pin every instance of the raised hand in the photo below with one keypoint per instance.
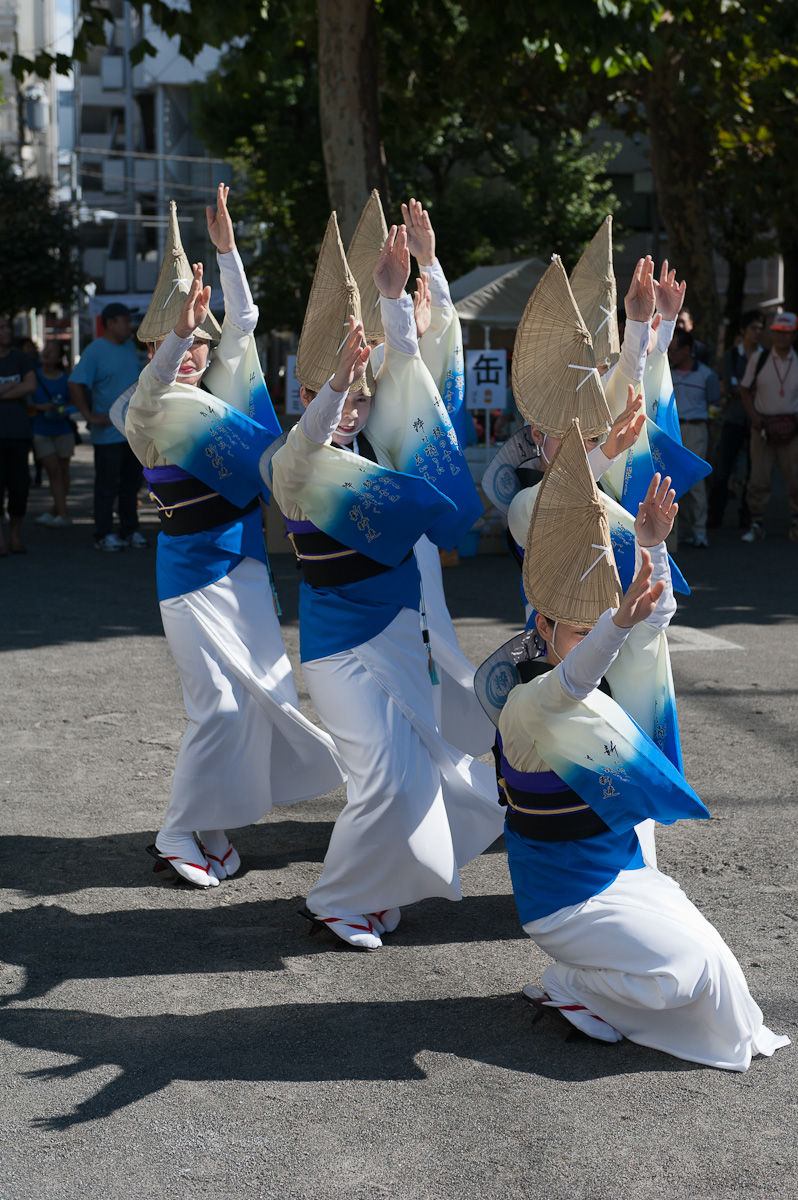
x,y
640,598
653,333
656,514
420,234
220,227
626,428
422,304
669,294
195,306
393,266
352,359
639,302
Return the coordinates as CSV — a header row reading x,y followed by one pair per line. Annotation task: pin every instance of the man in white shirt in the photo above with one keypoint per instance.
x,y
769,391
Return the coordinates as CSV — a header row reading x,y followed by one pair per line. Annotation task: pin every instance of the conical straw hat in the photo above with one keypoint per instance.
x,y
569,568
593,285
174,283
334,298
362,255
554,372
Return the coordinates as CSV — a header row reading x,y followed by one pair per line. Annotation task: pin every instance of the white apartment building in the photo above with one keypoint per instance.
x,y
115,140
134,151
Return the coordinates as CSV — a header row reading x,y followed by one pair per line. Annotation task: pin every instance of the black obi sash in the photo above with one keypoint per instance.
x,y
539,804
189,506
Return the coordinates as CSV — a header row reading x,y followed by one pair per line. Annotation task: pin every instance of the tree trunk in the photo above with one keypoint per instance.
x,y
348,107
735,299
678,159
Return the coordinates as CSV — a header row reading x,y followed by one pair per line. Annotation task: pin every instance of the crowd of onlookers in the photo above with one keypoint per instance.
x,y
744,420
40,403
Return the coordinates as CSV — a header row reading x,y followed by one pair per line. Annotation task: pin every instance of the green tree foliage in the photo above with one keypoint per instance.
x,y
464,85
38,245
695,76
501,183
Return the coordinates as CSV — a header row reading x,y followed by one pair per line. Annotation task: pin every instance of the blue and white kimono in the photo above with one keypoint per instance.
x,y
627,944
417,808
247,745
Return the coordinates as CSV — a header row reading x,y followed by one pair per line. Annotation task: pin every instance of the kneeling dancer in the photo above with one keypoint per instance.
x,y
632,956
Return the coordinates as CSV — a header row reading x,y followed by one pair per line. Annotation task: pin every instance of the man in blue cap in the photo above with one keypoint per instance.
x,y
106,368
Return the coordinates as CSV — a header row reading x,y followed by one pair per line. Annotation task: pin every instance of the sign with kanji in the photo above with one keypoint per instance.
x,y
293,402
486,379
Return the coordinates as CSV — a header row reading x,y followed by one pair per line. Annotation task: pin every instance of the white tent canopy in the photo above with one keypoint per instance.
x,y
497,296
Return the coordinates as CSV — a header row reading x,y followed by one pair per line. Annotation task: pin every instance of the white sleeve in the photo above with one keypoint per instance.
x,y
634,350
582,669
168,357
600,462
399,323
322,416
665,335
438,285
239,306
665,611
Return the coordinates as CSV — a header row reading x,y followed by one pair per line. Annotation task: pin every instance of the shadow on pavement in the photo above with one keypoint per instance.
x,y
307,1043
54,945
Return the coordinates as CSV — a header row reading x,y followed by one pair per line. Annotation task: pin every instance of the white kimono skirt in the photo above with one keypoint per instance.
x,y
417,808
247,746
641,956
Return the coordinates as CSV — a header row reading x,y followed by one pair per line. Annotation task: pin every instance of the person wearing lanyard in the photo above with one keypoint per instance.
x,y
769,391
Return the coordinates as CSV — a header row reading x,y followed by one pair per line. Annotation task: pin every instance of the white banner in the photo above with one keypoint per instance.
x,y
486,379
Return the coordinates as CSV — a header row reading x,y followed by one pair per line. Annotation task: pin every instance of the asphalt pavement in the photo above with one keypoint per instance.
x,y
159,1040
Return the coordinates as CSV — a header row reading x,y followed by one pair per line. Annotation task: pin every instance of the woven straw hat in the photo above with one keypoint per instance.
x,y
569,568
593,285
362,255
334,298
554,372
174,283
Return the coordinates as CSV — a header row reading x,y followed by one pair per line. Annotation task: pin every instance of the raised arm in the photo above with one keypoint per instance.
x,y
239,307
653,524
166,361
639,303
322,416
584,666
390,276
669,298
422,244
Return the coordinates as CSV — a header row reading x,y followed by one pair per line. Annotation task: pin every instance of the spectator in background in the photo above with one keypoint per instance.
x,y
735,434
107,368
769,391
29,347
53,436
17,384
695,387
685,321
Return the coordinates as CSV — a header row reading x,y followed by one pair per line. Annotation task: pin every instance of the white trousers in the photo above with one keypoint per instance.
x,y
247,746
641,955
417,809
